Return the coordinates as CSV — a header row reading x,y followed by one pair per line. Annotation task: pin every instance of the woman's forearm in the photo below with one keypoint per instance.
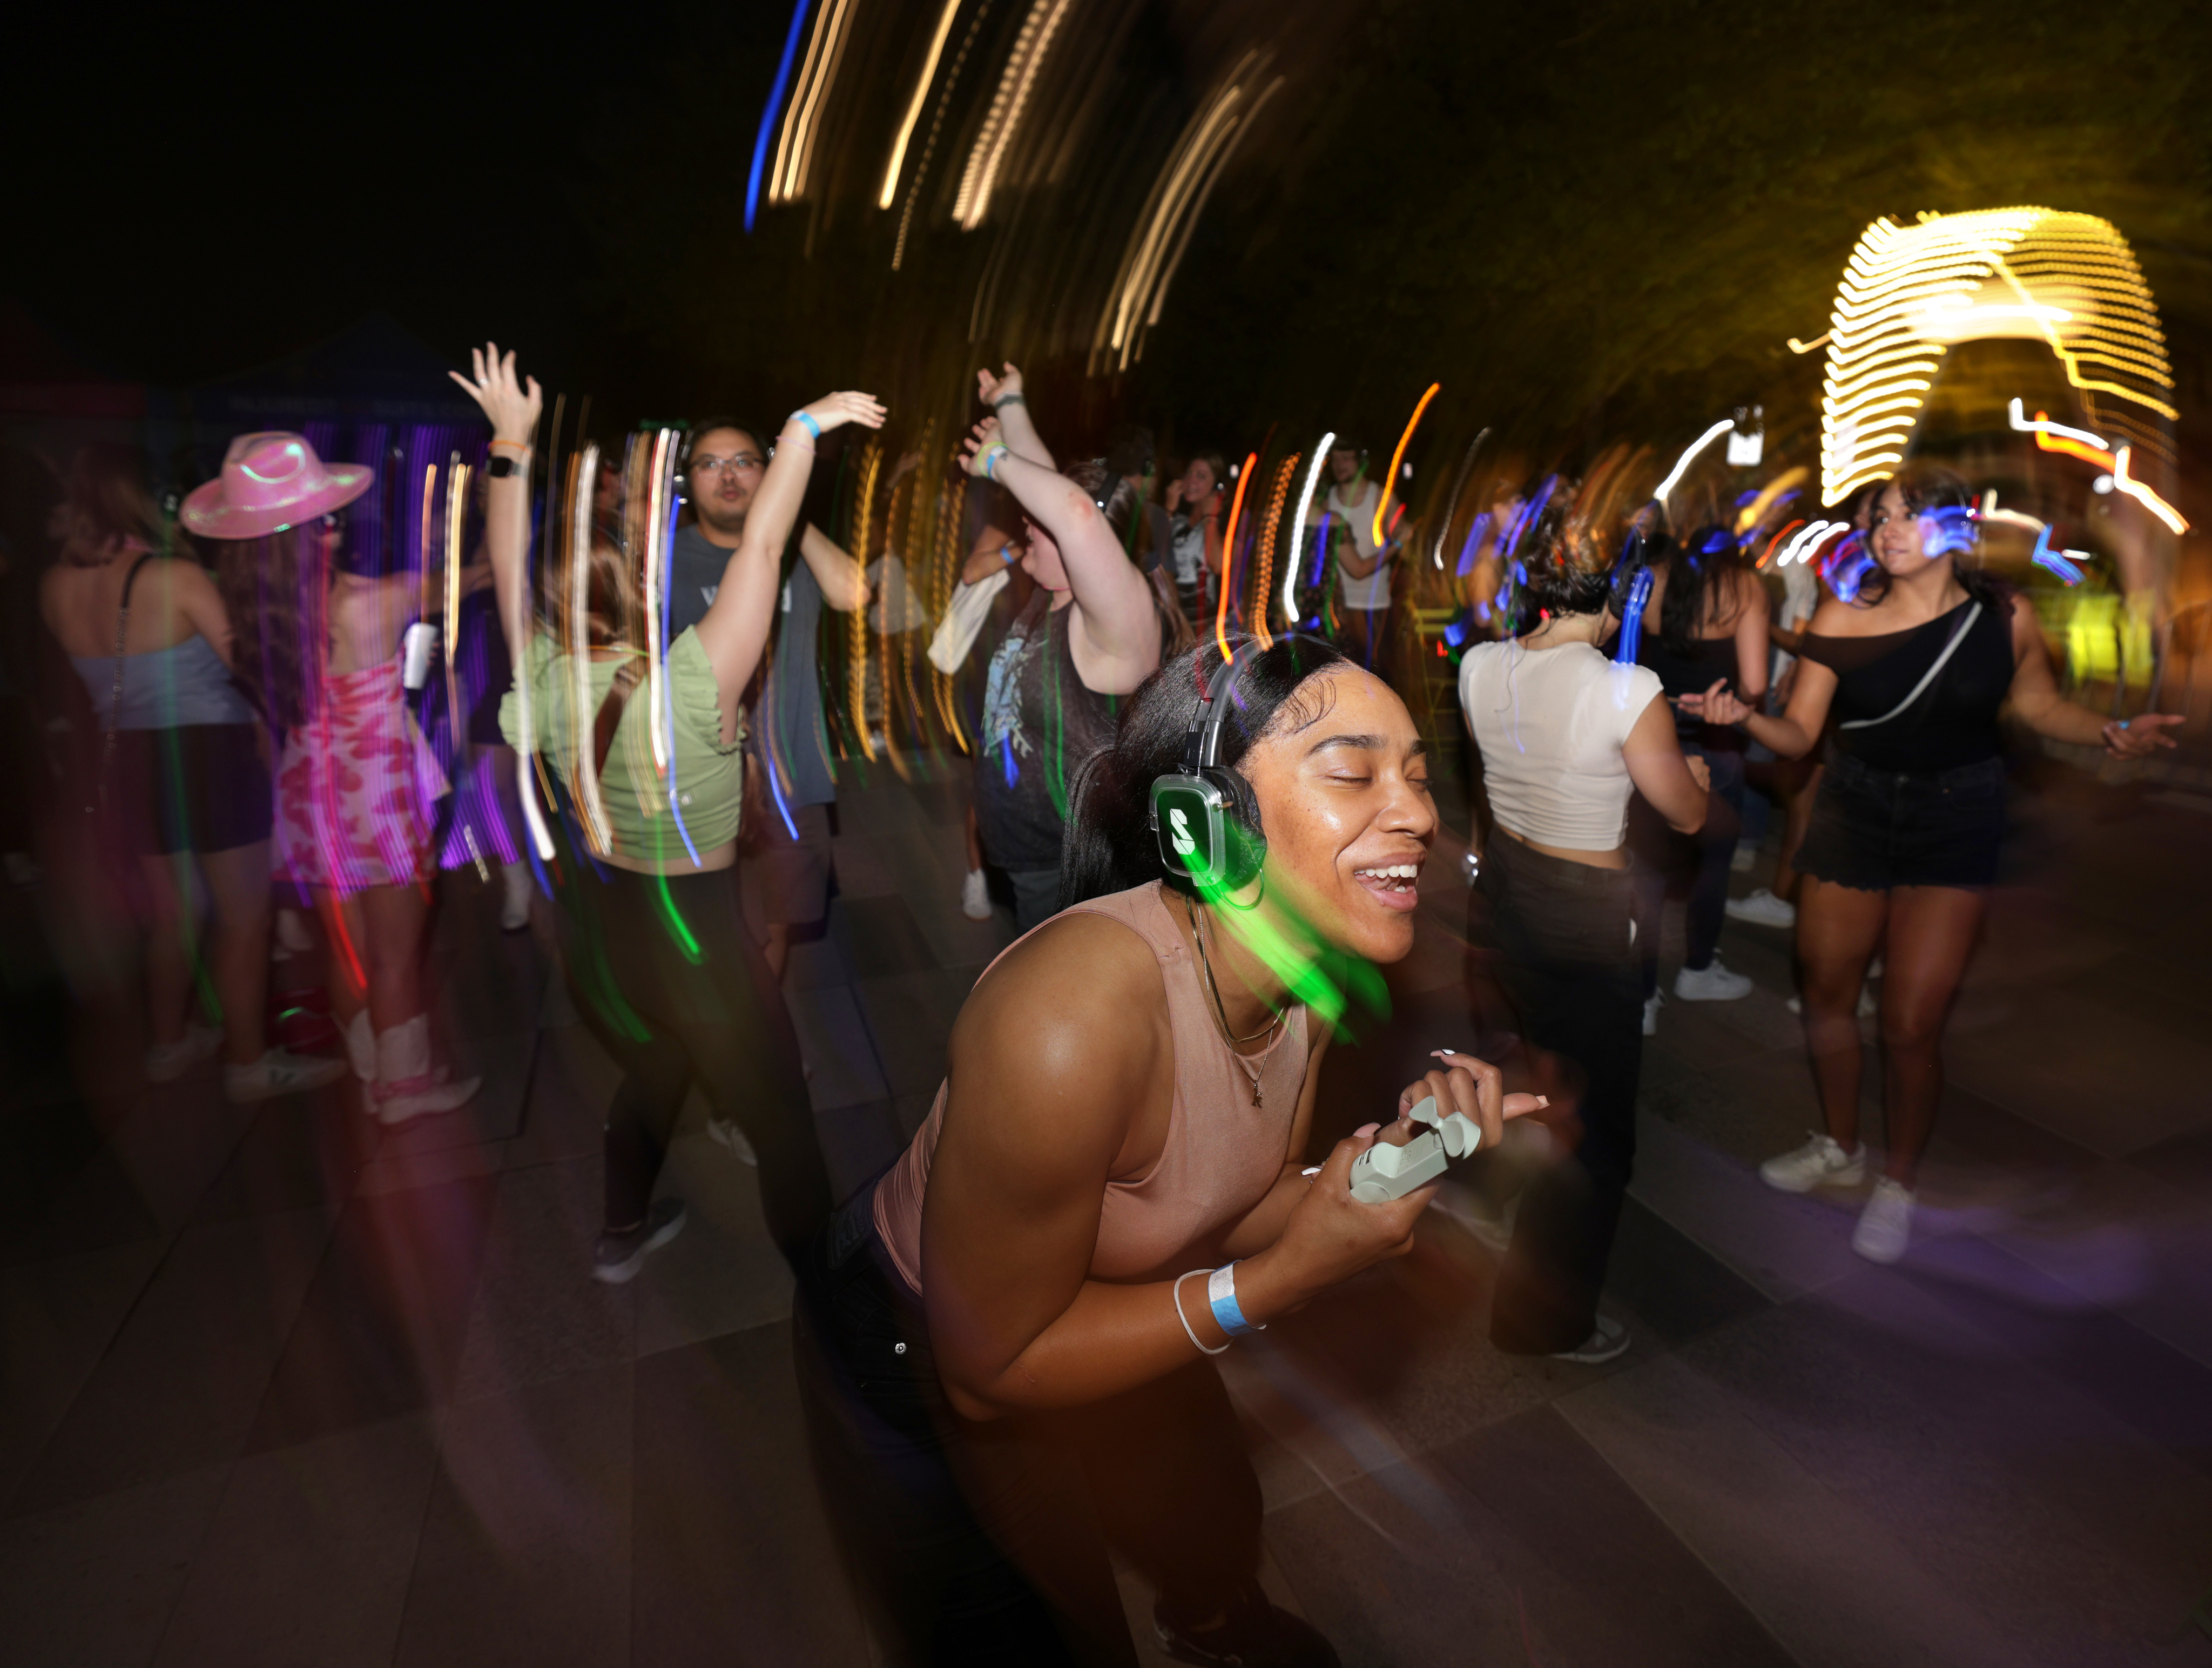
x,y
1021,435
776,499
507,538
1111,1339
1781,735
2061,720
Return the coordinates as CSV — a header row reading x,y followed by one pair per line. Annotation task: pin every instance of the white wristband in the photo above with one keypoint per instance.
x,y
1185,1319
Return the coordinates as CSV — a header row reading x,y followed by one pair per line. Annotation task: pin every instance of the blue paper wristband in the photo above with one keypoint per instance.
x,y
1221,1294
806,418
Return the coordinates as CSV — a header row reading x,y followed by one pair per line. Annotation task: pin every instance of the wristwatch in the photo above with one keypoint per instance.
x,y
500,465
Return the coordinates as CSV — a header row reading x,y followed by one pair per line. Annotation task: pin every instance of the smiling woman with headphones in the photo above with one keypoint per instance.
x,y
1011,1329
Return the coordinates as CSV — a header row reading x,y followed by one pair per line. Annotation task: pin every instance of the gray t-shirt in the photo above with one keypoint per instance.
x,y
792,718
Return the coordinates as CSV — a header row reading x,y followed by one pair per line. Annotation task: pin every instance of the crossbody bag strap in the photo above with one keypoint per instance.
x,y
115,695
1927,677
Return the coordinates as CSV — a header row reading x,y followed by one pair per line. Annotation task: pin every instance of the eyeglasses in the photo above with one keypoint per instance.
x,y
736,462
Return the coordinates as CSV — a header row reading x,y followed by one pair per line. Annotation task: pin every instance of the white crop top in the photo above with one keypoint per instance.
x,y
1550,723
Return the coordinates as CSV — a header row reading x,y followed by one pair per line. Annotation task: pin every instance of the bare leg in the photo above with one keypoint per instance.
x,y
346,929
168,962
776,952
1838,929
1797,816
238,945
974,843
1932,933
395,918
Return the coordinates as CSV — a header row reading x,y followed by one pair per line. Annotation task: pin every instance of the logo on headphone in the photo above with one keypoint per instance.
x,y
1179,833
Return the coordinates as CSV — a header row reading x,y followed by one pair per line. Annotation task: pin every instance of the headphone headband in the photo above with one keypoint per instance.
x,y
1202,747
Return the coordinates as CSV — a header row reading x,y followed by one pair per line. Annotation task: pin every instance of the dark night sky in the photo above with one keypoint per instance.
x,y
1592,215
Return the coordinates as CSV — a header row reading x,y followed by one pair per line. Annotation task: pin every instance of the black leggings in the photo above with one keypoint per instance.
x,y
987,1543
1558,932
665,974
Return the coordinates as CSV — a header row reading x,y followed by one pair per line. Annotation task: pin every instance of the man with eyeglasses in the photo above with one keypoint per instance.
x,y
787,884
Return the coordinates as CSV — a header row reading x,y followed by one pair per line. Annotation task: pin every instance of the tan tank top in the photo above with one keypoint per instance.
x,y
1222,1154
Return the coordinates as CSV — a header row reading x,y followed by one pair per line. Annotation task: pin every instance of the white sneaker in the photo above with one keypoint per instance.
x,y
167,1062
1652,1004
1820,1162
1886,1224
291,934
442,1094
1713,984
1763,908
278,1072
1609,1339
728,1134
974,897
1742,859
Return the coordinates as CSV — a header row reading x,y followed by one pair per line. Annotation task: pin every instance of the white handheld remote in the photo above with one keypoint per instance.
x,y
1385,1172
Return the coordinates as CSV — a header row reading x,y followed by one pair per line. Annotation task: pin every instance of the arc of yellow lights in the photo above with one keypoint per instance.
x,y
1264,591
1004,118
1908,294
1229,555
1171,212
584,773
794,144
1298,533
913,105
1390,481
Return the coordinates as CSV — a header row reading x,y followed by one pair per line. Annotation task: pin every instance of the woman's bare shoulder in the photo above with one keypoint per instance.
x,y
1082,983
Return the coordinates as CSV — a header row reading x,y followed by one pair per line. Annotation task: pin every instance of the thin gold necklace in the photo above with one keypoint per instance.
x,y
1251,1069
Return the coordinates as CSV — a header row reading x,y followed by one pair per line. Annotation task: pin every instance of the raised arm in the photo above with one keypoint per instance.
x,y
512,407
1114,618
843,581
1003,394
735,628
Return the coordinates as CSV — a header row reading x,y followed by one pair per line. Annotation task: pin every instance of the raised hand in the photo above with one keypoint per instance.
x,y
977,447
2141,736
991,389
1467,1083
834,411
511,406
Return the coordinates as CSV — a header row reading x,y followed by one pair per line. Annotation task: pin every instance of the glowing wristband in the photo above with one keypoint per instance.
x,y
1221,1293
806,420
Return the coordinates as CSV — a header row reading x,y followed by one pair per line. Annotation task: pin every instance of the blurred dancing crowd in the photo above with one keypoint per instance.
x,y
1200,712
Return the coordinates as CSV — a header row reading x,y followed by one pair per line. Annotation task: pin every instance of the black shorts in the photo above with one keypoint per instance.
x,y
195,788
1875,829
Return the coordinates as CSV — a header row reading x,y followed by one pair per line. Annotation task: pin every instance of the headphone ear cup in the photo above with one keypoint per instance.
x,y
1247,840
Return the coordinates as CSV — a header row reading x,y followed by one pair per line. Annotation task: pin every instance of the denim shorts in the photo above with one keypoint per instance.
x,y
1875,829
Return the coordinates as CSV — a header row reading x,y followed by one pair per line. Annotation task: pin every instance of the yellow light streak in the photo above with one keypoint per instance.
x,y
1004,119
794,144
856,684
913,105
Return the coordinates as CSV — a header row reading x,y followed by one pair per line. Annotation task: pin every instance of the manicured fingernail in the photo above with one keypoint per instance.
x,y
1367,1129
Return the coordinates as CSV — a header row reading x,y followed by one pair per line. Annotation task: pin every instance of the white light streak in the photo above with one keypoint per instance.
x,y
913,106
1299,534
794,145
2027,425
2143,496
1683,462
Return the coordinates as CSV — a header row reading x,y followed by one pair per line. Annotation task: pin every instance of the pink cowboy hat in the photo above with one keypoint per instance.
x,y
271,481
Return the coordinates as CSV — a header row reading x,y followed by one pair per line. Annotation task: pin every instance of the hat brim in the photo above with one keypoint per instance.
x,y
207,516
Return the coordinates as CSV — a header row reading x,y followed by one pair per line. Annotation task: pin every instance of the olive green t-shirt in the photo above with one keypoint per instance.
x,y
704,783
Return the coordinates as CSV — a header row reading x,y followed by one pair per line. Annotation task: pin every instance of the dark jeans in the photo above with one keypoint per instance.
x,y
666,976
1660,851
986,1542
1559,931
1037,896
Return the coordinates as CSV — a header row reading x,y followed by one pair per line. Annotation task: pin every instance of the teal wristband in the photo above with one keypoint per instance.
x,y
807,420
1221,1294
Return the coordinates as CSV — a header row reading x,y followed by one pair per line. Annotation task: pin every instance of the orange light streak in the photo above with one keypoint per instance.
x,y
1229,555
2047,441
1390,481
1267,547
